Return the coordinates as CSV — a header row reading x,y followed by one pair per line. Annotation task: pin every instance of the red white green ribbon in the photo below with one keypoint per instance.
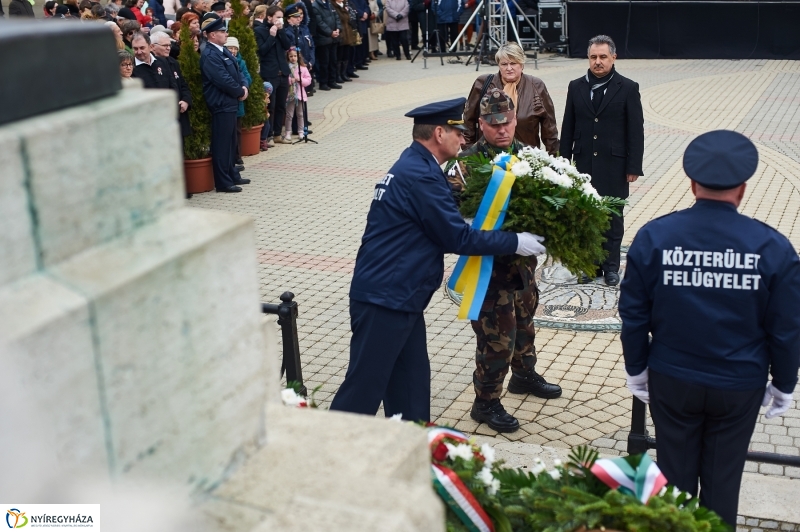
x,y
452,489
642,482
458,497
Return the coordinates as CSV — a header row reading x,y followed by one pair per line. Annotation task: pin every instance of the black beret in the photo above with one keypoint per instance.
x,y
720,159
125,12
448,112
216,7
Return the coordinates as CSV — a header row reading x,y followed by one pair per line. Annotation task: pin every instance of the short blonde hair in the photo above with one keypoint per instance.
x,y
510,52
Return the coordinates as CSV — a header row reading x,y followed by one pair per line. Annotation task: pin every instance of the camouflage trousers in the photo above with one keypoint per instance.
x,y
505,335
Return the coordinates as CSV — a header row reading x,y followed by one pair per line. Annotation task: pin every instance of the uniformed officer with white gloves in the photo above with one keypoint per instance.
x,y
718,291
412,222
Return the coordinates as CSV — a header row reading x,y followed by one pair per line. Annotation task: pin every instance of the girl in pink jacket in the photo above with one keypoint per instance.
x,y
299,79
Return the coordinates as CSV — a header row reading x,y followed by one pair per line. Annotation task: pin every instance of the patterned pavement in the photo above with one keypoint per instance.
x,y
310,202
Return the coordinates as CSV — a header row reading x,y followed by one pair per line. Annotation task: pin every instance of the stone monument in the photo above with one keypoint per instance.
x,y
131,326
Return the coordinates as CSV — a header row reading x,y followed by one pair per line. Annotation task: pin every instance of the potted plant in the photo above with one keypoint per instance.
x,y
198,171
254,112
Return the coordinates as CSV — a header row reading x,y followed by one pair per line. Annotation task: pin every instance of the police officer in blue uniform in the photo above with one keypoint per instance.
x,y
412,222
718,292
223,87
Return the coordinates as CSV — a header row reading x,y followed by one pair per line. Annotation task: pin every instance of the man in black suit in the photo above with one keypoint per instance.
x,y
603,130
223,87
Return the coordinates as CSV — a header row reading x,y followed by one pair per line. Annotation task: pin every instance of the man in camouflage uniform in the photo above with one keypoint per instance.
x,y
504,328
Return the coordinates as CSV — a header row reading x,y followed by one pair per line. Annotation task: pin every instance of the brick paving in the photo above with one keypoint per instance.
x,y
310,202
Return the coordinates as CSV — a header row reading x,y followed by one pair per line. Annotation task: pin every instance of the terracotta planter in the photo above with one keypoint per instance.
x,y
251,141
199,175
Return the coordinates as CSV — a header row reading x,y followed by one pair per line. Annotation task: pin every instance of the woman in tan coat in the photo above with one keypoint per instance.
x,y
536,116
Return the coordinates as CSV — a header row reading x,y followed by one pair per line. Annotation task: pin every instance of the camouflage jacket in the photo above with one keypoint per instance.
x,y
510,272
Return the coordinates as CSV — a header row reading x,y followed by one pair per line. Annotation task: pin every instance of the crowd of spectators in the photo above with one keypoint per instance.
x,y
303,46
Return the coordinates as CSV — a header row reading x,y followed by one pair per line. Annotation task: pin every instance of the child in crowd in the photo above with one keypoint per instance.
x,y
299,79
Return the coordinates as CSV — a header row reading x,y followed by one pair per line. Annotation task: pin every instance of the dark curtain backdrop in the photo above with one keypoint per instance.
x,y
688,30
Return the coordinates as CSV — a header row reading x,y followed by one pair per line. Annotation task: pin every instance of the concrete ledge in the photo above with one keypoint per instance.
x,y
179,345
99,170
335,472
18,256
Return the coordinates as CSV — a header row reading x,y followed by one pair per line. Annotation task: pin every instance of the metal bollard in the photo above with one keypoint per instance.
x,y
287,319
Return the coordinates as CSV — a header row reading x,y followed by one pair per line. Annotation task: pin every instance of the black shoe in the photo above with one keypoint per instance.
x,y
415,47
308,132
335,86
346,79
362,67
408,56
533,383
354,75
493,414
309,123
239,167
378,52
188,196
612,278
584,279
391,54
239,160
398,58
324,88
242,181
230,189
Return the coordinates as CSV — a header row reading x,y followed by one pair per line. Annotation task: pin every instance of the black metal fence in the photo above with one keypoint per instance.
x,y
287,319
639,441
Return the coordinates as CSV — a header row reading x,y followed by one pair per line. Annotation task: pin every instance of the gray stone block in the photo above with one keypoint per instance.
x,y
102,169
46,344
18,255
179,344
338,472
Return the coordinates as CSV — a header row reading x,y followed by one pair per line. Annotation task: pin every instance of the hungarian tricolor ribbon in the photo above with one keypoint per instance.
x,y
642,482
452,489
472,274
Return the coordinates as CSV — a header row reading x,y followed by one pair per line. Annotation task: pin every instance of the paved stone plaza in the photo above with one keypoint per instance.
x,y
310,203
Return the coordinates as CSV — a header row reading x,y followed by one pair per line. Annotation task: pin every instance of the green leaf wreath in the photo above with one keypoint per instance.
x,y
552,199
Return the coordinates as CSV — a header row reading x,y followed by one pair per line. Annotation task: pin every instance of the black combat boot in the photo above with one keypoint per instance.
x,y
493,414
533,383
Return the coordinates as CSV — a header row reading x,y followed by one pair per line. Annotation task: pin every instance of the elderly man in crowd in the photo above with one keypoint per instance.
x,y
161,45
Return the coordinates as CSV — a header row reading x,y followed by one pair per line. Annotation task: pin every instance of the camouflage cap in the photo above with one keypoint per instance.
x,y
496,107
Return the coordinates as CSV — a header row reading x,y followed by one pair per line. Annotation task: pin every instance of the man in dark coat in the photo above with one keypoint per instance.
x,y
273,42
223,87
328,27
425,13
20,8
161,45
362,50
603,130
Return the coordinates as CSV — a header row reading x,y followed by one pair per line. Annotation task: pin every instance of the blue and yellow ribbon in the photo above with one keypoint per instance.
x,y
472,274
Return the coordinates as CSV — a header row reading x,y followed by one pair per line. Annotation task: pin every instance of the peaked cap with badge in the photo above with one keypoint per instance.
x,y
212,22
497,107
445,113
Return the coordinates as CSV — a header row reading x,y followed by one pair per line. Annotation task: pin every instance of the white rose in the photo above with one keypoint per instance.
x,y
494,487
290,397
521,168
485,476
588,190
555,473
459,451
488,453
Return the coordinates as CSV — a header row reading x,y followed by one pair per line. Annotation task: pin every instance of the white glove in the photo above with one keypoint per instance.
x,y
780,401
529,244
637,384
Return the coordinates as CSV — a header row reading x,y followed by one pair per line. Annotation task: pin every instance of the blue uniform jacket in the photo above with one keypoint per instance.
x,y
719,293
412,223
222,80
